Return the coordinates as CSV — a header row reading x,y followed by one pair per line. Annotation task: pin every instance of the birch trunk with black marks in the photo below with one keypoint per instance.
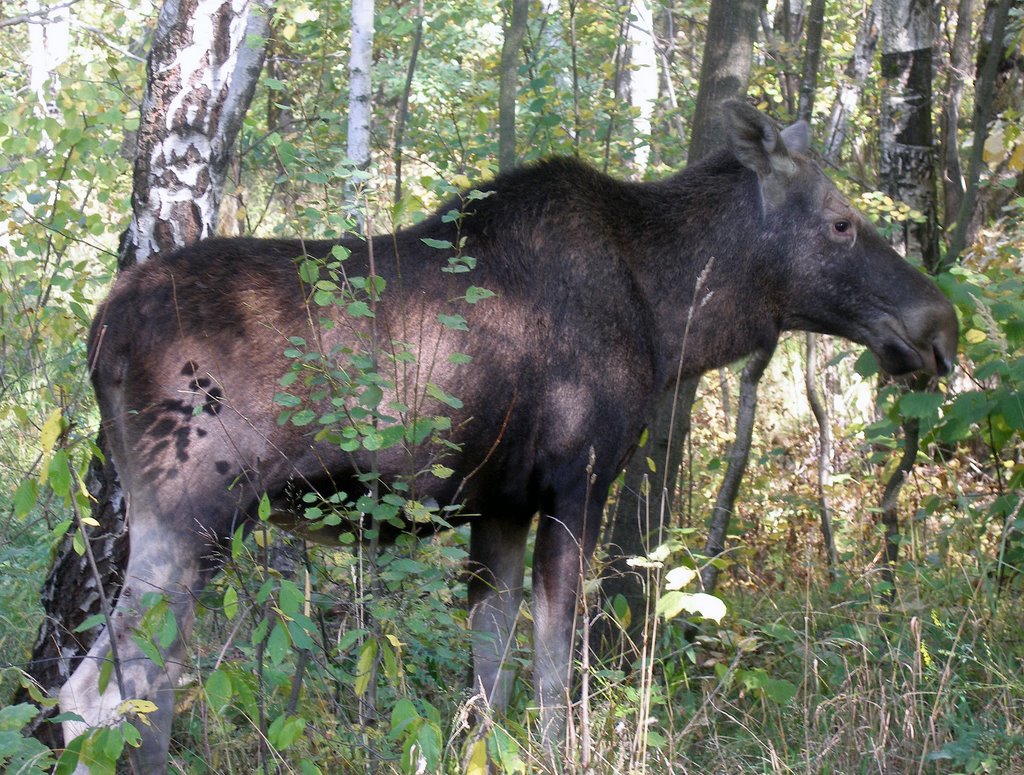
x,y
360,63
907,165
848,97
202,70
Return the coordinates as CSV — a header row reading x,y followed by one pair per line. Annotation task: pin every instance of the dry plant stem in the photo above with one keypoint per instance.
x,y
697,303
261,650
586,748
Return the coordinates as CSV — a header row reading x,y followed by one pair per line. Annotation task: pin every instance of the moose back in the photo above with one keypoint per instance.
x,y
504,355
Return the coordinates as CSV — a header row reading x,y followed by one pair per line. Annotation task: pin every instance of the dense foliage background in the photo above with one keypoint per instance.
x,y
843,669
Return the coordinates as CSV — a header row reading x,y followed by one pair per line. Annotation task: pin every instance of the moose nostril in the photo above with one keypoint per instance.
x,y
943,363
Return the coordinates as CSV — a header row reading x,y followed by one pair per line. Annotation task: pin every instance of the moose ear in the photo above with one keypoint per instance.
x,y
797,137
757,141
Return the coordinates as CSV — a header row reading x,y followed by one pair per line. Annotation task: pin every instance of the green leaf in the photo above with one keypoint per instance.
x,y
14,717
921,404
454,322
278,644
779,690
303,417
436,392
59,477
25,497
218,690
263,510
440,244
475,294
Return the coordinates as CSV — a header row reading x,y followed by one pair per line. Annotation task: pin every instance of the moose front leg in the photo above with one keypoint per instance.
x,y
496,551
561,554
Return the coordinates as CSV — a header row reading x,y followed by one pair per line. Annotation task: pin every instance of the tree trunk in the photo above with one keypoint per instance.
x,y
725,70
990,58
739,454
812,57
907,168
197,92
360,107
959,62
643,80
403,108
515,30
857,70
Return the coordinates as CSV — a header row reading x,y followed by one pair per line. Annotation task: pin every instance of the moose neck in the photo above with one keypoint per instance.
x,y
700,257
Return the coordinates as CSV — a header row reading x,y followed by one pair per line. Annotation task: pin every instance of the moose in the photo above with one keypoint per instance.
x,y
591,296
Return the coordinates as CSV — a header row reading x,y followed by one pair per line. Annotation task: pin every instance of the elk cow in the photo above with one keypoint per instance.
x,y
604,292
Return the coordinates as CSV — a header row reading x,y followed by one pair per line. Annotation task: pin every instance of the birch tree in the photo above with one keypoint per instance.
x,y
201,73
643,79
907,165
360,106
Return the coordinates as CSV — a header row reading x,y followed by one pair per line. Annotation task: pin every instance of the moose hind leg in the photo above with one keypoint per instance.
x,y
562,551
164,574
497,548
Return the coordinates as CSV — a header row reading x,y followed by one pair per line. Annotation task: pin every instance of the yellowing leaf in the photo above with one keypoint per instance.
x,y
136,706
1017,160
477,764
51,430
994,150
975,336
364,666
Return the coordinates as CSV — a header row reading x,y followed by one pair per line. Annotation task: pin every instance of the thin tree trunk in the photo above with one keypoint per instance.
x,y
360,64
983,99
812,57
515,30
739,454
959,63
403,108
824,462
196,95
846,101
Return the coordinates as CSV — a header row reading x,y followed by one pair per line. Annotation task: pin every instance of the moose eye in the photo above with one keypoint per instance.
x,y
842,227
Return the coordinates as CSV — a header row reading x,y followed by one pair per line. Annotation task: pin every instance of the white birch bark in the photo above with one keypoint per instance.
x,y
643,79
202,70
360,107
